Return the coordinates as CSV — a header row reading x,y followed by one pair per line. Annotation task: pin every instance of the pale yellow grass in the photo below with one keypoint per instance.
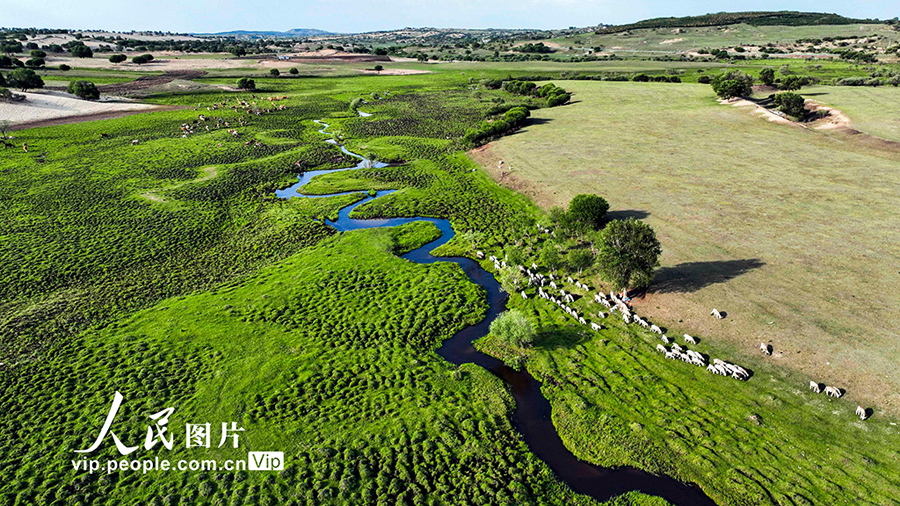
x,y
51,105
794,232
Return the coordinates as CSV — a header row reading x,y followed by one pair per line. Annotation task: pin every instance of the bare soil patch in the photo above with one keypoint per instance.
x,y
56,108
145,82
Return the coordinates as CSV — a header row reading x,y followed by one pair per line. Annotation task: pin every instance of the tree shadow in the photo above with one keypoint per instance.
x,y
561,336
693,276
625,214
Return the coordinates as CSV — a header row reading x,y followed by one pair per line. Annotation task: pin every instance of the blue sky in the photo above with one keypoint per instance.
x,y
369,15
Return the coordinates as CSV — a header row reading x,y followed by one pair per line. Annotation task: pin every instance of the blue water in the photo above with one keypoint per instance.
x,y
532,415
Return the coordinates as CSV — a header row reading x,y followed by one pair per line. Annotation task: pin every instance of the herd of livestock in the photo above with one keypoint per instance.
x,y
552,289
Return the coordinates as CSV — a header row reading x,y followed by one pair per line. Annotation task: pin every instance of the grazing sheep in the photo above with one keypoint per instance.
x,y
596,326
524,295
665,339
533,265
582,321
606,304
833,392
601,314
815,387
861,412
661,348
711,368
570,280
552,283
676,347
689,339
626,318
479,255
715,312
763,347
551,277
656,329
642,322
721,370
569,298
671,355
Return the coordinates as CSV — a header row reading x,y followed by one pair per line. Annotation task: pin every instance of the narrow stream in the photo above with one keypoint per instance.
x,y
532,415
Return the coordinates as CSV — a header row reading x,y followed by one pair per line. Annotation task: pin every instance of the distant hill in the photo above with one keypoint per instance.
x,y
780,18
258,34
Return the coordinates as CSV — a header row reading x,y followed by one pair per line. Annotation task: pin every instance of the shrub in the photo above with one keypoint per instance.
x,y
117,58
294,71
641,78
767,76
35,62
140,60
83,89
64,67
246,83
733,83
791,104
589,209
274,72
513,328
24,79
704,80
81,51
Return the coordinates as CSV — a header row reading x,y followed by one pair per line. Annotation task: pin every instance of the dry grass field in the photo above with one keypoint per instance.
x,y
791,231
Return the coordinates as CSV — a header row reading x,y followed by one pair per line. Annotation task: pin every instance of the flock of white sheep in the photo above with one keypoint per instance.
x,y
615,304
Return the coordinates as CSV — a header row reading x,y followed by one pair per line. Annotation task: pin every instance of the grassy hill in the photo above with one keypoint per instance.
x,y
780,18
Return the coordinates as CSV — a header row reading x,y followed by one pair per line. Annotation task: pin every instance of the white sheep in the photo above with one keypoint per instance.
x,y
596,326
661,348
665,339
533,265
676,347
524,295
655,329
570,280
815,387
715,312
763,347
601,314
861,412
689,339
832,391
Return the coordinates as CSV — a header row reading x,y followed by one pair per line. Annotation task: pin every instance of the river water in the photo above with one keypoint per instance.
x,y
532,415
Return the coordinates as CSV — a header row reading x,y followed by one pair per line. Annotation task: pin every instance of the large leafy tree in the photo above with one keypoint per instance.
x,y
588,209
767,76
81,51
791,104
628,253
24,79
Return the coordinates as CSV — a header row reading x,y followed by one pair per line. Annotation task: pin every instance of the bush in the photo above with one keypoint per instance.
x,y
83,89
791,83
704,80
294,71
37,53
274,73
246,83
117,58
641,78
513,328
791,104
35,62
767,76
628,253
81,51
733,83
588,209
64,67
378,68
140,60
511,119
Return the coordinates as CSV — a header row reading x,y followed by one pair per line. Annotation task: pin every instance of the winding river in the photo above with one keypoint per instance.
x,y
532,415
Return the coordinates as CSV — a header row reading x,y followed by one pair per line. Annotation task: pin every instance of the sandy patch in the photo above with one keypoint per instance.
x,y
772,116
671,41
506,176
53,105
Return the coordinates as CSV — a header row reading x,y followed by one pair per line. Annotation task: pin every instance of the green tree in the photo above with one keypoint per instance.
x,y
81,51
588,209
246,83
148,57
791,83
472,237
35,62
64,67
378,68
140,60
628,252
294,71
274,72
791,104
513,328
549,257
117,58
579,259
83,89
733,83
24,79
37,53
767,76
238,51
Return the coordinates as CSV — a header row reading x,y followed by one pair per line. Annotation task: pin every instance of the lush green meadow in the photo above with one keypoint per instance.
x,y
168,270
875,111
782,227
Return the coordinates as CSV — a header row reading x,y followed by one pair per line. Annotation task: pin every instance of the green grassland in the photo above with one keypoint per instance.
x,y
875,111
670,40
169,271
